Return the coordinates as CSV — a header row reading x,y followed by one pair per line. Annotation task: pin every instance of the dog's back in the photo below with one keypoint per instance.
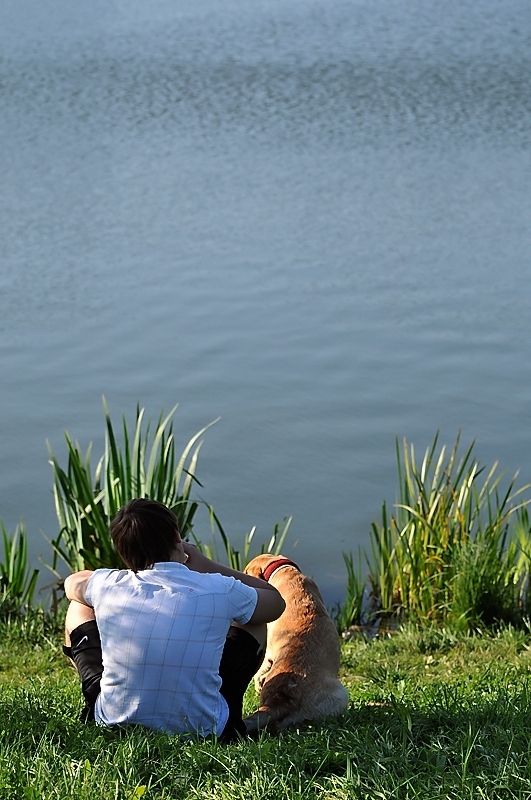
x,y
304,638
298,679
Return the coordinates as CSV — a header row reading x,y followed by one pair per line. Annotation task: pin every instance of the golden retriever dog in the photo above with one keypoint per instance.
x,y
298,679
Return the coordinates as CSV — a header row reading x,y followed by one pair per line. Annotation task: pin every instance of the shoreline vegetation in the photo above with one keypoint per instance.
x,y
436,650
453,550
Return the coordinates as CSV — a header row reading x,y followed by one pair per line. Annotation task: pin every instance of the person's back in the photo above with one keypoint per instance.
x,y
172,642
162,634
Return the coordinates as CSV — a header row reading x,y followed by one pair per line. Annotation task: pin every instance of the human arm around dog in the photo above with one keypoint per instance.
x,y
270,604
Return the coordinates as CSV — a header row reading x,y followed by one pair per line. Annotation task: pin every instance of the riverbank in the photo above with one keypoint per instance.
x,y
432,715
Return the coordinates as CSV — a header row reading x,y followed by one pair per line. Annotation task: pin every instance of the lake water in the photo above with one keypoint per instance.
x,y
310,218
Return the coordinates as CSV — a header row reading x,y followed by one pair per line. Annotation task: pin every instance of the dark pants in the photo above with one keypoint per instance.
x,y
241,660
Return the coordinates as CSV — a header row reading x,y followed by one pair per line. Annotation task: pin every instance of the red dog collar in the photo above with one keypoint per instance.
x,y
280,562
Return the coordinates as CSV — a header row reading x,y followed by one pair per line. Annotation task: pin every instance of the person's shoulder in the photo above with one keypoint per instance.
x,y
209,579
104,575
104,571
241,588
213,581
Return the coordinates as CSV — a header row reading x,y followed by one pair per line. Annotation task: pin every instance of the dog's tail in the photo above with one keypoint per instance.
x,y
259,721
279,700
285,705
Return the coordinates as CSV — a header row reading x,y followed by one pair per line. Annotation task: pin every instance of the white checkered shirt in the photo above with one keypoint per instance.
x,y
162,633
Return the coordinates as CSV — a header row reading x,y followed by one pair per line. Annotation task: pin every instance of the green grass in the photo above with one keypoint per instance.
x,y
433,715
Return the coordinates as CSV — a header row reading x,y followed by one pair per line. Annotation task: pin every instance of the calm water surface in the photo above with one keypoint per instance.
x,y
309,218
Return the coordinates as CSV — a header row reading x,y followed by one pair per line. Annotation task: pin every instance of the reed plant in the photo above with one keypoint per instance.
x,y
353,611
141,465
237,559
456,546
17,579
137,465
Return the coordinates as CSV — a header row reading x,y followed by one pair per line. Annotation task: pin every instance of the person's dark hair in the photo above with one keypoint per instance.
x,y
143,532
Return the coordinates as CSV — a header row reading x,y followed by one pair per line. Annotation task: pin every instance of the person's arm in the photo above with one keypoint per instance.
x,y
76,584
270,604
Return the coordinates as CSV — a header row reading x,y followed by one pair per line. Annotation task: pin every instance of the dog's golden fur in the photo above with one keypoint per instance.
x,y
298,679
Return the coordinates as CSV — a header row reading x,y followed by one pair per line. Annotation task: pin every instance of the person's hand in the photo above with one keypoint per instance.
x,y
196,560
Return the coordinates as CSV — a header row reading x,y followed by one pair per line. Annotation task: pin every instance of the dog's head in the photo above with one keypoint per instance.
x,y
264,565
257,566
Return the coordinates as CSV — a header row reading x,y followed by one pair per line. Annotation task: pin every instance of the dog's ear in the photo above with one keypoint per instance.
x,y
254,567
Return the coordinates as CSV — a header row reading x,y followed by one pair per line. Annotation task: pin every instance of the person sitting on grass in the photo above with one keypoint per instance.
x,y
172,642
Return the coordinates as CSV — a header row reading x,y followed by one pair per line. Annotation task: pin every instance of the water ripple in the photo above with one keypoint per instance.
x,y
327,102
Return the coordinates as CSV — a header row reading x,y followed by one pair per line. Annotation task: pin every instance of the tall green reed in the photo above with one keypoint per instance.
x,y
448,551
237,559
353,611
142,465
139,465
17,580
